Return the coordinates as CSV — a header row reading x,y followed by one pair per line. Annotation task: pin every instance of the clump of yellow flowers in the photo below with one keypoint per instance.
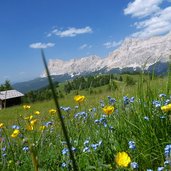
x,y
26,107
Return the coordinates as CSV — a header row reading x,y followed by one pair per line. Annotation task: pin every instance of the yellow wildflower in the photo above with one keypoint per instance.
x,y
15,133
29,117
33,122
122,159
37,112
1,125
41,128
52,111
26,107
108,110
29,128
79,98
166,108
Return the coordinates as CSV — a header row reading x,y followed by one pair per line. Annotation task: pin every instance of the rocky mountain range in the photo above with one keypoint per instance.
x,y
133,54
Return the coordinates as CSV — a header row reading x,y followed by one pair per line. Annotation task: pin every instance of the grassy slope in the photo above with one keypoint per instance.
x,y
156,86
127,121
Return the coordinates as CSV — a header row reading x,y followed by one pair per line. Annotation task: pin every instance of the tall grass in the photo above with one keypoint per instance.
x,y
137,126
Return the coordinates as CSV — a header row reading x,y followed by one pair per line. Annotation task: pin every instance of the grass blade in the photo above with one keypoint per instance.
x,y
75,167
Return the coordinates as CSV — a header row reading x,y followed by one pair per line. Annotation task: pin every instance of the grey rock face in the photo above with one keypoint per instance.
x,y
133,53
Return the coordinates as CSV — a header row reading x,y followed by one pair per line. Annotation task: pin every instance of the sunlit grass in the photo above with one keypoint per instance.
x,y
136,127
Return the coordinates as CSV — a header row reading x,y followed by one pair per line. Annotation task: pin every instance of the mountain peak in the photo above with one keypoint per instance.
x,y
133,53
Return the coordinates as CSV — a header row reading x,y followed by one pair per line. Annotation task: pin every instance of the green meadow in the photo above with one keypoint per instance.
x,y
134,134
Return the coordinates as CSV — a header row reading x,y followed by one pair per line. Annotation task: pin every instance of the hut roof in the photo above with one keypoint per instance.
x,y
10,94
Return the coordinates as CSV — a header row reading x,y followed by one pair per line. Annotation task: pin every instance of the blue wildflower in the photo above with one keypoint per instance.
x,y
66,109
86,142
160,168
162,95
146,118
47,124
94,109
156,103
86,149
149,170
26,148
3,149
102,120
134,165
4,155
132,99
111,128
167,151
102,103
111,100
167,163
97,121
81,115
162,117
65,151
15,127
73,149
64,165
105,124
100,143
126,100
132,145
95,146
76,107
167,102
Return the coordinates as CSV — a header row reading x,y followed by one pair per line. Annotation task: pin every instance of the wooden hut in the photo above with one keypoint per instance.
x,y
10,98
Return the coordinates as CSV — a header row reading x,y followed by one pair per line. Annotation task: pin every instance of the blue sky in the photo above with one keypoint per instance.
x,y
68,29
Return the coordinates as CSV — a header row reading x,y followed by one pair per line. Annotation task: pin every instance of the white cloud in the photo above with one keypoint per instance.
x,y
158,24
112,44
70,32
156,21
142,8
40,45
84,46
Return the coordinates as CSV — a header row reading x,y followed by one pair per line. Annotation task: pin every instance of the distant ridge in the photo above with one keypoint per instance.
x,y
133,54
38,83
